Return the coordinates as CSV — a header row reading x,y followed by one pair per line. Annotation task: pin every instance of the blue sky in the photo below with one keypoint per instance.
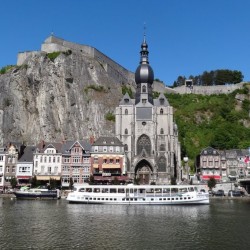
x,y
185,37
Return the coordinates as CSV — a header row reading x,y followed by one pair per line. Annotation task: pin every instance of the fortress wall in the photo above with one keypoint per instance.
x,y
209,90
22,56
117,71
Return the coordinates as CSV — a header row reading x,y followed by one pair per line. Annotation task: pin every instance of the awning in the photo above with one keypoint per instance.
x,y
24,177
207,177
105,166
47,178
110,178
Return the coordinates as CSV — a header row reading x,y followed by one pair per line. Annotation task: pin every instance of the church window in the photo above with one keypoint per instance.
x,y
126,100
126,131
161,112
162,147
126,147
144,88
126,111
162,164
144,143
161,131
144,100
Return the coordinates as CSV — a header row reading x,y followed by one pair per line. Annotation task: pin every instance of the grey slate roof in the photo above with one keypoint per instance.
x,y
158,103
67,145
107,141
129,100
27,154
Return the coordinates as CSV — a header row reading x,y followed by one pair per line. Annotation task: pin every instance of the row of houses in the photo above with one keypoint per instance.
x,y
65,161
224,165
104,159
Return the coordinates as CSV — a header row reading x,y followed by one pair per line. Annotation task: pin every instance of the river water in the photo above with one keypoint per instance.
x,y
56,224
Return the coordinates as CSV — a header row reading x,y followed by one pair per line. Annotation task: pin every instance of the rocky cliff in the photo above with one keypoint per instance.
x,y
57,96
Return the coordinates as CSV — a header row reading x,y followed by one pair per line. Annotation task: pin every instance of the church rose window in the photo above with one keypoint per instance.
x,y
144,143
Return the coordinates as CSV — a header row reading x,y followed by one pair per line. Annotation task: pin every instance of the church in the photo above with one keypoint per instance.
x,y
146,127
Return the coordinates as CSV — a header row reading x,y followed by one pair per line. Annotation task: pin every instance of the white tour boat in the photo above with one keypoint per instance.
x,y
138,194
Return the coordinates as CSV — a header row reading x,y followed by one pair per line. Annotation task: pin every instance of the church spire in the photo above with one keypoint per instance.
x,y
144,76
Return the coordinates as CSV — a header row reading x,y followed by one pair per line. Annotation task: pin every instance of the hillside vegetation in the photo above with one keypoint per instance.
x,y
220,121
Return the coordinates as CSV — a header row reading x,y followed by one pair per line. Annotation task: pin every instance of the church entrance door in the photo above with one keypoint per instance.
x,y
143,172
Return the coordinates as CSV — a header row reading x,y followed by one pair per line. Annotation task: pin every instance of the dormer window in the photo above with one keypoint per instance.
x,y
161,101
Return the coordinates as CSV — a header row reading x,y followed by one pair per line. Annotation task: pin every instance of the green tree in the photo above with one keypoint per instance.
x,y
71,183
91,180
211,183
13,182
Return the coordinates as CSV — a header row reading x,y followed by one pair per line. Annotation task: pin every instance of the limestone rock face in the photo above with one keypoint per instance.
x,y
55,99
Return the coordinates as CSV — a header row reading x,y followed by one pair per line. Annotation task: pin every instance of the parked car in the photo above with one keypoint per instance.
x,y
219,192
235,193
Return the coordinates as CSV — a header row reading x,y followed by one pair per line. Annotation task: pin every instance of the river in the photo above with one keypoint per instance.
x,y
56,224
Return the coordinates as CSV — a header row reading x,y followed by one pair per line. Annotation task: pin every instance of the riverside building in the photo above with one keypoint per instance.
x,y
146,127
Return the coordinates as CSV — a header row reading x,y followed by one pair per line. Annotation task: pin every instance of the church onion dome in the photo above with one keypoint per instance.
x,y
144,73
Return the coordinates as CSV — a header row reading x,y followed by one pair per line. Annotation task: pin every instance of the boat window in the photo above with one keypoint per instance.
x,y
121,190
96,190
141,191
131,190
158,190
112,190
115,199
105,190
150,190
89,190
166,190
191,189
174,190
183,190
135,190
81,190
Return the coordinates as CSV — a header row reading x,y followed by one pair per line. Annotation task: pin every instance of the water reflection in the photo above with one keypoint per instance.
x,y
24,224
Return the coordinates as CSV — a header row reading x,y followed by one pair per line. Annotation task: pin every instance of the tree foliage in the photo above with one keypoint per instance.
x,y
214,120
211,183
13,182
210,78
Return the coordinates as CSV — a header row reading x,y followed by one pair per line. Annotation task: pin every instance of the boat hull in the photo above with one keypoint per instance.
x,y
37,195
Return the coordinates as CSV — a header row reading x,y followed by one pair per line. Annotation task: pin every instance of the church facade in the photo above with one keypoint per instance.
x,y
146,127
